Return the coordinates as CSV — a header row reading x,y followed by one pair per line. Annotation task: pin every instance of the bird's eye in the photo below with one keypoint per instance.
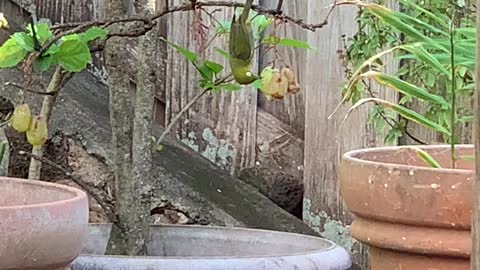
x,y
249,74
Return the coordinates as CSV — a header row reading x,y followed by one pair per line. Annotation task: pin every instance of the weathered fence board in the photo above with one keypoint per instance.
x,y
292,109
221,126
327,139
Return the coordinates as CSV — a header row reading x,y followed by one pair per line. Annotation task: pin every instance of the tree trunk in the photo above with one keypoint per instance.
x,y
127,204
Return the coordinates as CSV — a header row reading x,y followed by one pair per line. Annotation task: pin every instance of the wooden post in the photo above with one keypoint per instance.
x,y
475,258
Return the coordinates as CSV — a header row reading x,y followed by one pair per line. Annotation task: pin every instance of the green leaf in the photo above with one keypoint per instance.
x,y
215,67
11,54
405,87
230,87
42,30
24,40
466,119
405,112
274,40
93,34
54,49
191,56
71,37
223,53
223,27
74,55
426,157
43,63
418,50
258,84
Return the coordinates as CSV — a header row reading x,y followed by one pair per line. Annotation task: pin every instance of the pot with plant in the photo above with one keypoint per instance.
x,y
413,204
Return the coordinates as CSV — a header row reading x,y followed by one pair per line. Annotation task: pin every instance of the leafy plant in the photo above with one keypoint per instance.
x,y
71,52
419,37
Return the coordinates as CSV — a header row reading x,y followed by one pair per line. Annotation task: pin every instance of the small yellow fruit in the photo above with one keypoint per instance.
x,y
38,132
293,86
274,83
3,21
21,118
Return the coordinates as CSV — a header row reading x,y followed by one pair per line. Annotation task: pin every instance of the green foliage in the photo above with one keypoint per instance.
x,y
71,52
420,37
11,53
73,55
3,151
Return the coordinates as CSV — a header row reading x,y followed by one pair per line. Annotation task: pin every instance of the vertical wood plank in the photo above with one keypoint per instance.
x,y
221,126
292,109
325,139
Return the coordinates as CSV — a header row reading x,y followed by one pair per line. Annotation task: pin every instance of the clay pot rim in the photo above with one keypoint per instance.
x,y
351,157
332,246
77,194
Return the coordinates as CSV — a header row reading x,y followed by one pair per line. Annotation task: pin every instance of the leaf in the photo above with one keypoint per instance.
x,y
426,157
71,37
74,55
191,56
294,43
405,87
54,49
258,84
214,67
223,27
43,63
24,40
11,54
406,113
466,158
426,57
223,53
467,119
230,87
93,34
42,30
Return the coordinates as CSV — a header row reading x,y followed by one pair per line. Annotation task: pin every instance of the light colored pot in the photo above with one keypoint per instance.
x,y
42,225
213,248
412,216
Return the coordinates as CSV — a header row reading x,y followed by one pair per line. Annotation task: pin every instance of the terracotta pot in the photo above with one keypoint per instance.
x,y
42,225
410,215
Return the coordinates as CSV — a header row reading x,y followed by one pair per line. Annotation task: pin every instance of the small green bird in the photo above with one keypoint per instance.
x,y
241,47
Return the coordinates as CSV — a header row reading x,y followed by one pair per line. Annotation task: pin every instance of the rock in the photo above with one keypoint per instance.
x,y
183,178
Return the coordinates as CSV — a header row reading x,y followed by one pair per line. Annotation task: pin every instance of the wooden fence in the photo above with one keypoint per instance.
x,y
292,139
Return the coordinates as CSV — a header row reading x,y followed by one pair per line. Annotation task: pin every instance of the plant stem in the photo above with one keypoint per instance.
x,y
47,106
454,85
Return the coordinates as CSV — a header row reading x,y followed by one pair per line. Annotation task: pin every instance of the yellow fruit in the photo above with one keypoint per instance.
x,y
274,83
293,86
21,118
3,22
38,132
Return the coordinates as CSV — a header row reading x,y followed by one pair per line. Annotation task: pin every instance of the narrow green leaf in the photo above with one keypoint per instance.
x,y
223,53
215,67
11,54
426,57
191,56
74,55
230,87
426,12
466,158
71,37
406,113
426,157
405,87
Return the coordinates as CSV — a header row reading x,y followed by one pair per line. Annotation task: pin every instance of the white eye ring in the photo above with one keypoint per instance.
x,y
249,74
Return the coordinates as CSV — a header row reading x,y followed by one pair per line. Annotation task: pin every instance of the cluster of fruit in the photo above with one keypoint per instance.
x,y
276,84
35,127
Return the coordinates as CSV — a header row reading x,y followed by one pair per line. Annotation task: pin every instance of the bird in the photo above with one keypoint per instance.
x,y
241,47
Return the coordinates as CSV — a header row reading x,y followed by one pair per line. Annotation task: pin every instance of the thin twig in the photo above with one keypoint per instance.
x,y
179,115
28,89
187,107
279,6
79,181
